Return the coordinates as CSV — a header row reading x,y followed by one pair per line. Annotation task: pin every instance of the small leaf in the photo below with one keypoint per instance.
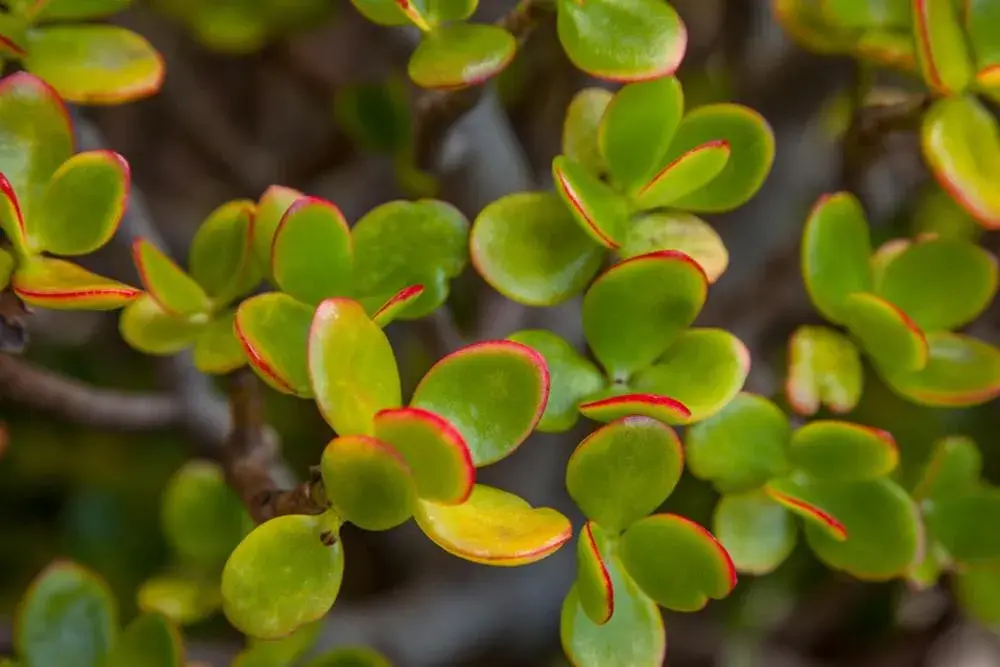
x,y
383,12
274,331
203,519
148,640
637,308
397,304
601,211
758,533
312,255
66,618
579,135
703,369
95,64
573,378
146,327
805,498
638,127
941,48
961,145
435,451
494,527
402,243
493,392
351,366
59,285
183,599
676,230
977,592
281,577
461,55
622,40
685,174
982,21
961,524
836,253
11,218
953,469
824,368
529,248
661,408
843,452
83,204
350,656
217,350
699,568
221,256
175,291
593,581
891,338
271,208
368,482
623,471
961,372
742,446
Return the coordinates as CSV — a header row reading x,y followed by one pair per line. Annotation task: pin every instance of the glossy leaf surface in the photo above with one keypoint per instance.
x,y
397,305
601,212
271,208
579,135
146,327
461,55
824,369
221,256
593,580
758,533
274,331
368,482
841,451
312,255
687,173
891,338
676,230
60,285
960,371
217,350
174,290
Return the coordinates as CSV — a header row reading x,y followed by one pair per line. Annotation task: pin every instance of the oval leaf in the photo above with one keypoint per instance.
x,y
175,291
941,49
274,331
493,392
623,471
271,208
494,527
601,211
148,640
59,285
461,55
676,230
961,524
843,452
281,577
758,533
183,599
146,327
960,371
579,135
953,470
660,408
312,256
684,175
593,581
891,338
805,498
221,256
217,350
824,368
368,482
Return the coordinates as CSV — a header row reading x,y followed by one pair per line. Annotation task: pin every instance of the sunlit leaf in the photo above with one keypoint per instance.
x,y
601,212
960,371
312,255
271,208
461,55
841,451
221,256
885,332
941,48
174,290
579,135
397,304
217,350
616,406
687,173
148,328
368,482
676,230
183,599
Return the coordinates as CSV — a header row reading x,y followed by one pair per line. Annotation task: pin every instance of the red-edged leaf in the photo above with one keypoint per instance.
x,y
175,291
798,499
593,580
941,48
60,285
661,408
684,174
396,305
601,211
11,217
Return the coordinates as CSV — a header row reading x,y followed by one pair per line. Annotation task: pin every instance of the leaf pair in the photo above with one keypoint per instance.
x,y
87,63
833,474
628,561
635,319
52,201
900,305
68,617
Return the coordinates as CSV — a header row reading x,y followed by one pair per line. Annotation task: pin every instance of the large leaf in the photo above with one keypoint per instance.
x,y
67,618
529,248
148,640
758,533
493,392
742,446
95,64
593,580
148,328
461,55
622,40
977,592
623,471
960,371
494,527
60,285
602,212
175,291
844,452
367,482
962,523
941,48
274,331
676,230
282,576
312,255
636,309
271,208
221,256
892,339
579,135
824,368
687,173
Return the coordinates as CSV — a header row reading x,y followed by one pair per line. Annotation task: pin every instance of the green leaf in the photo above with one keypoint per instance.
x,y
751,142
891,338
274,331
461,55
271,208
843,452
175,291
383,12
350,656
622,40
685,174
221,256
217,350
623,471
493,393
940,284
494,527
941,49
805,497
836,253
367,482
150,640
283,652
435,451
616,406
824,368
83,204
397,305
758,533
602,212
402,243
66,618
579,135
76,10
573,378
351,366
961,145
703,369
312,255
146,327
953,469
203,519
6,268
982,21
960,372
59,285
866,14
95,64
699,568
593,581
184,599
11,218
282,576
978,592
676,230
35,139
638,127
636,309
742,446
529,248
962,524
